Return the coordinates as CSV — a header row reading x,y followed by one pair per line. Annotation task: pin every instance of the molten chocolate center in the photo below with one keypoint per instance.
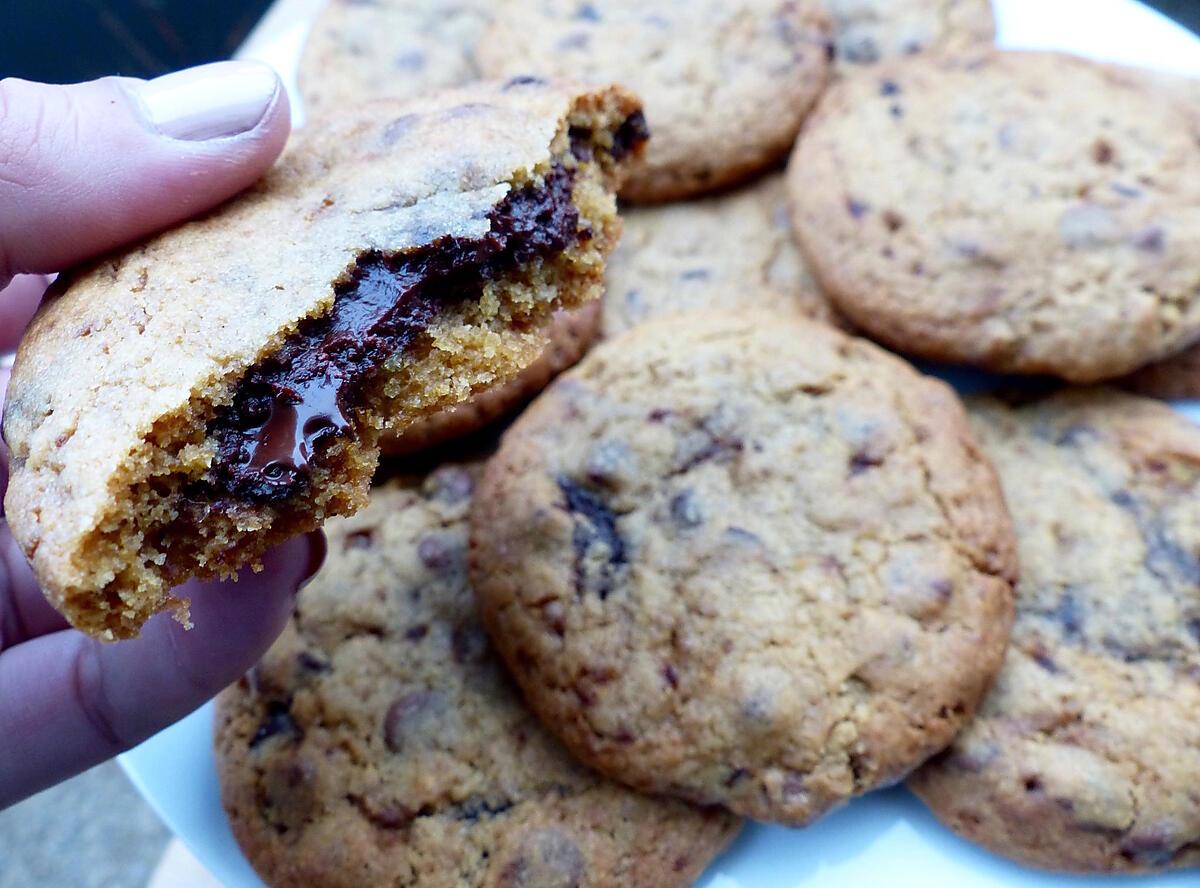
x,y
290,407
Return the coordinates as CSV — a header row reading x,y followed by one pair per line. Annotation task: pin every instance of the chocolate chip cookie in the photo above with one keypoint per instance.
x,y
726,83
379,742
179,407
745,560
733,252
870,31
397,49
569,334
1085,755
1025,212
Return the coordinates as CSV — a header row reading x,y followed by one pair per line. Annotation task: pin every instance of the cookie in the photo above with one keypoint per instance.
x,y
401,49
733,252
179,407
1085,755
1025,212
379,742
747,561
1177,377
870,31
726,83
569,334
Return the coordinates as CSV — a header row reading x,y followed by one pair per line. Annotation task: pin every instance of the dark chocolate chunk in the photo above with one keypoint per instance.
x,y
289,408
435,553
277,721
311,663
889,88
695,274
451,485
411,717
685,509
1152,848
629,136
474,808
359,539
595,524
856,208
522,80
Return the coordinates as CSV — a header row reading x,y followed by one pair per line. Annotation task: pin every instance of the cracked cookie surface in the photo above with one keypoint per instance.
x,y
958,208
1085,755
379,741
746,560
730,252
726,83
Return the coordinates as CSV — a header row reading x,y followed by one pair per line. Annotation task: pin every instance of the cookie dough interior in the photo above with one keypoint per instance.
x,y
294,439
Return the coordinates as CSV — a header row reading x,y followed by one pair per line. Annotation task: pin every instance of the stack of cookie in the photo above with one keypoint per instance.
x,y
739,561
742,559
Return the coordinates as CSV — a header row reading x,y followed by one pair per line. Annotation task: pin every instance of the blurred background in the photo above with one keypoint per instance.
x,y
95,831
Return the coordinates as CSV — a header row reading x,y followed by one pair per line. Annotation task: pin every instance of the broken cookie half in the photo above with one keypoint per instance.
x,y
178,408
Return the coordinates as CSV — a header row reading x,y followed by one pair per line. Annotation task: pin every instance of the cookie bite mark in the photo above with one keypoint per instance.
x,y
401,260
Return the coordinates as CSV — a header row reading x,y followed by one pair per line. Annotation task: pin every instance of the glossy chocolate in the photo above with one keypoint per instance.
x,y
290,408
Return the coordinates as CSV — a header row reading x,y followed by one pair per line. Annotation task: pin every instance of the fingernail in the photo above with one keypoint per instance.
x,y
318,548
209,102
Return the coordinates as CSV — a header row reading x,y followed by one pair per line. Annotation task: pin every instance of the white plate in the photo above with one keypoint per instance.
x,y
887,838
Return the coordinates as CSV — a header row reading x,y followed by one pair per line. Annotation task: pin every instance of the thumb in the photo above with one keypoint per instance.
x,y
85,168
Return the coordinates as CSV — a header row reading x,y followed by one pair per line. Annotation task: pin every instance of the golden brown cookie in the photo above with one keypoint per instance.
x,y
732,252
1025,212
177,408
745,560
726,83
1085,755
379,742
568,335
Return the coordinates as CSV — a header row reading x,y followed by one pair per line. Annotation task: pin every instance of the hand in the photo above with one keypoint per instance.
x,y
84,169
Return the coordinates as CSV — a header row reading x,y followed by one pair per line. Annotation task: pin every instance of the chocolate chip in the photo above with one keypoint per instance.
x,y
451,485
412,716
522,80
670,675
581,142
588,12
277,722
864,460
695,274
1032,784
889,88
1151,239
892,220
743,537
630,135
856,208
474,808
595,525
546,858
311,663
359,539
1103,152
416,633
1076,435
436,553
685,509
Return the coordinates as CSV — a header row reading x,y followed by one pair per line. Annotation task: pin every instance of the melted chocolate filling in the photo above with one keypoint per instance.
x,y
289,408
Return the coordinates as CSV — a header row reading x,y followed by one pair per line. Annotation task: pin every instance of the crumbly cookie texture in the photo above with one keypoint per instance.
x,y
569,334
727,83
959,209
870,31
746,560
389,49
379,742
733,252
1085,755
177,408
